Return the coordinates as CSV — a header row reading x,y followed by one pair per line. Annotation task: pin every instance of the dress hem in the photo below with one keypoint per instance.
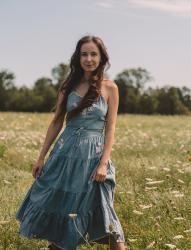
x,y
51,241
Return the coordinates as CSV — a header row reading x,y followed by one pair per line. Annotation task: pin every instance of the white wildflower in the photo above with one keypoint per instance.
x,y
137,212
154,182
150,245
177,237
73,216
171,246
187,231
179,218
180,171
148,179
145,206
150,188
180,181
151,168
132,240
129,192
6,182
166,169
3,222
177,193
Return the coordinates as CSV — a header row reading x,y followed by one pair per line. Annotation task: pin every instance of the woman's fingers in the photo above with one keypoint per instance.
x,y
100,178
37,168
99,175
36,171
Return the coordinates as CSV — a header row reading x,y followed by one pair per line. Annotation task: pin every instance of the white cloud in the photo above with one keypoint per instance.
x,y
176,7
180,7
108,4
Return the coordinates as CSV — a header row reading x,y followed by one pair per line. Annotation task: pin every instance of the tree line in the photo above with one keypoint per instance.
x,y
133,96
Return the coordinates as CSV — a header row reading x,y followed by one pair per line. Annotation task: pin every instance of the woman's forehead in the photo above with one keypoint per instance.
x,y
89,47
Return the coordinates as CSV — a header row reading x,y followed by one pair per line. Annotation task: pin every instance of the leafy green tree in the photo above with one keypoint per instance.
x,y
169,102
6,84
148,104
44,88
130,84
25,100
133,98
135,77
59,74
186,94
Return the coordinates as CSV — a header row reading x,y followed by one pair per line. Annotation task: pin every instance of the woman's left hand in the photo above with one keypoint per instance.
x,y
100,173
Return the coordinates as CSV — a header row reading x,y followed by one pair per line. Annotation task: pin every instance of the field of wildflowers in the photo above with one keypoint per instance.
x,y
152,156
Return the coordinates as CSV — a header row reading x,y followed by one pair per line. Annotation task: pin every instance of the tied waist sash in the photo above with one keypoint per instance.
x,y
83,131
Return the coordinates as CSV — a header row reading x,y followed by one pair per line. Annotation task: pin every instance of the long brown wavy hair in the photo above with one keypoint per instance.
x,y
76,73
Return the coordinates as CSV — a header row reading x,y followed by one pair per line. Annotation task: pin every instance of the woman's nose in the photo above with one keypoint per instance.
x,y
89,58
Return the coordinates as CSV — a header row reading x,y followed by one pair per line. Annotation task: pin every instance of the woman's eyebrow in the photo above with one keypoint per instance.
x,y
88,52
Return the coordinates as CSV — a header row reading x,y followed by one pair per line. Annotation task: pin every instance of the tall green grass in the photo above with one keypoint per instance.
x,y
152,156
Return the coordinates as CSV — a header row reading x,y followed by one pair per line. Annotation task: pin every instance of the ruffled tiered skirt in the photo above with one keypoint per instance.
x,y
65,187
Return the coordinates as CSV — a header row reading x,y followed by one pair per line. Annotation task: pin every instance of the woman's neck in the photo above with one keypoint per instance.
x,y
86,77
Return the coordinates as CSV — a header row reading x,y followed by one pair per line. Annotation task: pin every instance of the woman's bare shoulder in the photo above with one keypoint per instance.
x,y
108,87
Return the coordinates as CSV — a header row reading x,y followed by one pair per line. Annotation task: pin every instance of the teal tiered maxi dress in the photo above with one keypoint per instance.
x,y
65,186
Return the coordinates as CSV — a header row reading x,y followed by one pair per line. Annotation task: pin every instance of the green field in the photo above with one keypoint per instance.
x,y
152,156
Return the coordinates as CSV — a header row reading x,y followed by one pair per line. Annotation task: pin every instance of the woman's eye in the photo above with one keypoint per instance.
x,y
93,54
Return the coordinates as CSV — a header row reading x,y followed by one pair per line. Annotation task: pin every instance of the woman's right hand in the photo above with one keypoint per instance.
x,y
37,168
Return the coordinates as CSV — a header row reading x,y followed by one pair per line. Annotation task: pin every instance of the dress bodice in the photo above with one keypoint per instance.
x,y
90,117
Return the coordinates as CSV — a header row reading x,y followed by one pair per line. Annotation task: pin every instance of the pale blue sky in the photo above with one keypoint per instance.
x,y
37,35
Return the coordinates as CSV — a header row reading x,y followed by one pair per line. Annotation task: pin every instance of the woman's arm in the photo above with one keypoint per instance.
x,y
113,102
54,127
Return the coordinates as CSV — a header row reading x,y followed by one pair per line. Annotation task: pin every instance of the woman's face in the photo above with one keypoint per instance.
x,y
89,57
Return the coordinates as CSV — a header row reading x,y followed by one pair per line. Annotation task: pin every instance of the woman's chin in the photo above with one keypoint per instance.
x,y
89,70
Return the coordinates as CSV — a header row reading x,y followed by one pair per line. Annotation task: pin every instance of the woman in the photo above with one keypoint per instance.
x,y
71,200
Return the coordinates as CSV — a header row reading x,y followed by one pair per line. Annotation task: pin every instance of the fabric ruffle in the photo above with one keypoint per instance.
x,y
47,216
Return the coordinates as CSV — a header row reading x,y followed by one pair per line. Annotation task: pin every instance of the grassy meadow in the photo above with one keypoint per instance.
x,y
152,157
